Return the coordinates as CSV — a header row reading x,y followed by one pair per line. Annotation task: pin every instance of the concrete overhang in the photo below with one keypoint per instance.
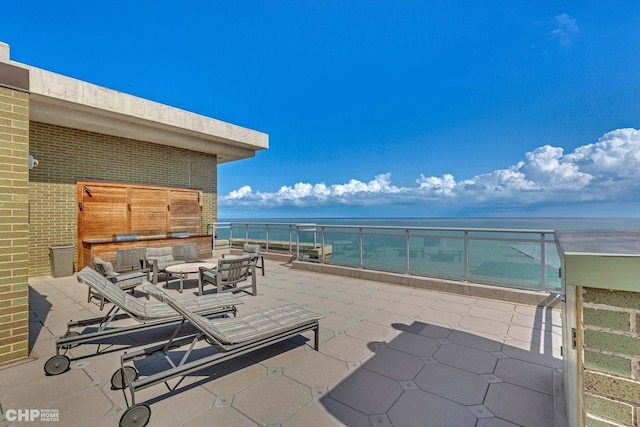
x,y
606,259
64,101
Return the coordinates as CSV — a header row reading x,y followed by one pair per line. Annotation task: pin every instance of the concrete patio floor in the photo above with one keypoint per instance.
x,y
389,356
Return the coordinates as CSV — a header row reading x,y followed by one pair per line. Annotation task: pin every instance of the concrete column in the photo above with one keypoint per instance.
x,y
14,209
601,326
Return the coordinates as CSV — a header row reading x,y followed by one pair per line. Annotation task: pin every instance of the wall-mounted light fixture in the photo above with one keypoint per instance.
x,y
33,162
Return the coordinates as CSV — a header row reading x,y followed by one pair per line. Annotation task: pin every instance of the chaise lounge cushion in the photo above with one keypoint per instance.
x,y
143,310
243,328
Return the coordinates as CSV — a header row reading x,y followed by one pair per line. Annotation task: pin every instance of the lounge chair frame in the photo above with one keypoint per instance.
x,y
254,252
229,273
226,351
211,305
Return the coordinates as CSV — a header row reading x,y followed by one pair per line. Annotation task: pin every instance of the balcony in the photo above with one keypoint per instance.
x,y
389,356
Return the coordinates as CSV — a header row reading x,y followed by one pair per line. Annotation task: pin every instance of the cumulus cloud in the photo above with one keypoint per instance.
x,y
606,170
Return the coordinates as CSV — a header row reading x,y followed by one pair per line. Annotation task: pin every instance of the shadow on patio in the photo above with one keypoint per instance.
x,y
389,355
434,376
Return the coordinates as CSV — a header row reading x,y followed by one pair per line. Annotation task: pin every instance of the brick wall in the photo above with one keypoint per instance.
x,y
67,155
14,227
611,341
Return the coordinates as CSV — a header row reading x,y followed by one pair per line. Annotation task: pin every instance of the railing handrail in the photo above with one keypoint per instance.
x,y
399,227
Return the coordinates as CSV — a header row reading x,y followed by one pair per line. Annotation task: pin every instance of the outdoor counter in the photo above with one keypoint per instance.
x,y
107,248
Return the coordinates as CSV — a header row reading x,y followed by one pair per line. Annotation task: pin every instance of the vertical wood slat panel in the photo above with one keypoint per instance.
x,y
149,211
107,209
104,211
186,211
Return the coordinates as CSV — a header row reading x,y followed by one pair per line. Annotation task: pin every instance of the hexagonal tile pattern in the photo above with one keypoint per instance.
x,y
389,355
444,381
370,332
367,392
484,325
259,402
466,358
394,364
316,370
474,341
336,322
233,376
327,413
526,374
226,416
440,317
419,408
417,345
520,405
348,349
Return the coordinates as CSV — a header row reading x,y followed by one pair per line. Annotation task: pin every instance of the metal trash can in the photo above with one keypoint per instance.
x,y
61,257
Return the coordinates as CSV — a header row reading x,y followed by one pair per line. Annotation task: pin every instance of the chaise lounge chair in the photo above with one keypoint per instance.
x,y
148,315
230,336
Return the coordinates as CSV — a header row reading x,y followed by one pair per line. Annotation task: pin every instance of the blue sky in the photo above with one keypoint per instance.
x,y
379,108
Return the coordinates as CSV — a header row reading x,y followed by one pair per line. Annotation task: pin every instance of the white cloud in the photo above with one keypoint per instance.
x,y
564,28
607,170
240,193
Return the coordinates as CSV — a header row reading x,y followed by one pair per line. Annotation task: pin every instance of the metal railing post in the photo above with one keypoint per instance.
x,y
322,242
406,251
360,244
543,263
290,239
266,244
465,254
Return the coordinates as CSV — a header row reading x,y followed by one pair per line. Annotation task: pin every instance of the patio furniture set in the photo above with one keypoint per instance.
x,y
208,314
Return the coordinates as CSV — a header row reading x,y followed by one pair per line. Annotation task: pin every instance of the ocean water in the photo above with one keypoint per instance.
x,y
513,259
542,223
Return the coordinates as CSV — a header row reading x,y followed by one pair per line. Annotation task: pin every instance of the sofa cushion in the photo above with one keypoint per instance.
x,y
154,253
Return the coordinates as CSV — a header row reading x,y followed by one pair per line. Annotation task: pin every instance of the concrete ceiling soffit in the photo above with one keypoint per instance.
x,y
64,101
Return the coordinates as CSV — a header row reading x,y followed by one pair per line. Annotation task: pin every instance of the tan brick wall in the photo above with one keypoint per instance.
x,y
67,155
14,227
611,341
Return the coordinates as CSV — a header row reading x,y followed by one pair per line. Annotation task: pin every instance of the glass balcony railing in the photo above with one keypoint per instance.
x,y
524,259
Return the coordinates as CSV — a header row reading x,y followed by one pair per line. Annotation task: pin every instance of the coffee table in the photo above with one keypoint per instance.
x,y
183,270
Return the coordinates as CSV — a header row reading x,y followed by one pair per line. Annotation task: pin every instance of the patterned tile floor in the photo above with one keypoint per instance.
x,y
389,356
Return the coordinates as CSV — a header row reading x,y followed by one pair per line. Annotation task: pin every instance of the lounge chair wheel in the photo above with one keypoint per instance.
x,y
57,364
71,334
117,378
137,415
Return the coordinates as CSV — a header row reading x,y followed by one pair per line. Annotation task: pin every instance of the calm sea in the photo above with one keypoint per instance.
x,y
514,261
508,223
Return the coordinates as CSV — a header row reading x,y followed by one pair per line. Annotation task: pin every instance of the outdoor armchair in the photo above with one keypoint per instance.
x,y
125,281
256,257
229,273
